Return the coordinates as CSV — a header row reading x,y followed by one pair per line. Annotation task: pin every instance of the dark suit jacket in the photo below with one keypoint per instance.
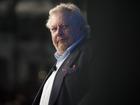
x,y
73,79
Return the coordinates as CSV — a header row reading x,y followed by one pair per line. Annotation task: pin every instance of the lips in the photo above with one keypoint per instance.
x,y
61,41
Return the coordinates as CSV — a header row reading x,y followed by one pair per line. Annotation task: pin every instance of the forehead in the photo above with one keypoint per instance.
x,y
60,18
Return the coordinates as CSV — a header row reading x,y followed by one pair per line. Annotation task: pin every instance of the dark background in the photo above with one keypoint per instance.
x,y
26,51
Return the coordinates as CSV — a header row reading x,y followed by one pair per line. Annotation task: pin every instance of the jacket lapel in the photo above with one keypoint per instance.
x,y
56,87
62,72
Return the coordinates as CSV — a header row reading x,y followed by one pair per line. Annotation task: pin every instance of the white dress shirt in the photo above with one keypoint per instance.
x,y
48,85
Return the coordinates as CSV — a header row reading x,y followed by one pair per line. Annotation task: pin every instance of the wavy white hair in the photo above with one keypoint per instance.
x,y
74,12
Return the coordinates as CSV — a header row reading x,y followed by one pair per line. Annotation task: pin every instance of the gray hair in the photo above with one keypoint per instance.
x,y
74,11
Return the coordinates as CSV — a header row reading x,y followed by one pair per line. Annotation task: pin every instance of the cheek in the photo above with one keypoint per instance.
x,y
72,35
53,38
70,39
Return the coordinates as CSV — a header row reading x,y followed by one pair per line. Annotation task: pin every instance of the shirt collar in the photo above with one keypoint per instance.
x,y
61,57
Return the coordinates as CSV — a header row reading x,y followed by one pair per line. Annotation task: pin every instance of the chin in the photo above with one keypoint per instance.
x,y
62,47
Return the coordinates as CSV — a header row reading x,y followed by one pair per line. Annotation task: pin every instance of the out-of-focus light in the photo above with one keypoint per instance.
x,y
32,7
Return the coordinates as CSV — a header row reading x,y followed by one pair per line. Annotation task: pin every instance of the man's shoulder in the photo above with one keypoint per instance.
x,y
84,51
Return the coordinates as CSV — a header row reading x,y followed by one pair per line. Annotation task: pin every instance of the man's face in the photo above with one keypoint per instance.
x,y
63,32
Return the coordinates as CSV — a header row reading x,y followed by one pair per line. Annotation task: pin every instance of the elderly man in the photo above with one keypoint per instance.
x,y
68,82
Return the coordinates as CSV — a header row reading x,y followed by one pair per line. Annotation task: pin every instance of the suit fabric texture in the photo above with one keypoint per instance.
x,y
73,80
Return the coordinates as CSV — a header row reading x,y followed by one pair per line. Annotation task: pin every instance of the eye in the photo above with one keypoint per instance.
x,y
64,27
53,29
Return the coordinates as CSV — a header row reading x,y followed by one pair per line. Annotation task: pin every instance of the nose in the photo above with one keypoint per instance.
x,y
59,31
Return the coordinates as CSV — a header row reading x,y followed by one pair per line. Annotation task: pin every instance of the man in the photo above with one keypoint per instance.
x,y
68,83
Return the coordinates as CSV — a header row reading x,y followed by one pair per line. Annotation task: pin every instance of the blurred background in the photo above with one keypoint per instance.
x,y
26,51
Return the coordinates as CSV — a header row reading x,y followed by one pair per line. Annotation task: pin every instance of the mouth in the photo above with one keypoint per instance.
x,y
60,40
